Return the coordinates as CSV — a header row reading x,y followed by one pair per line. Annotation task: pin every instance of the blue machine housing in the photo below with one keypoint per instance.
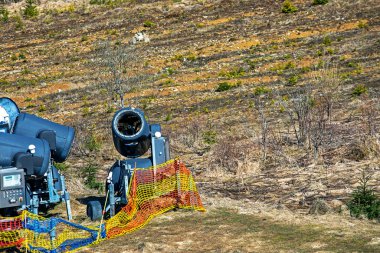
x,y
130,132
60,137
14,149
133,137
28,148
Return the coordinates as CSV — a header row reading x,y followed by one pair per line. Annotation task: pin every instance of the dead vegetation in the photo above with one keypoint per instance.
x,y
298,120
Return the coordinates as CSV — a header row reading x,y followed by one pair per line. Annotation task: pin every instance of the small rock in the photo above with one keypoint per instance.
x,y
140,37
319,207
375,241
336,205
344,210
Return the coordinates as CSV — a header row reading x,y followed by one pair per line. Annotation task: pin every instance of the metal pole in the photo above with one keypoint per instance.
x,y
111,190
178,177
35,203
154,159
66,197
52,233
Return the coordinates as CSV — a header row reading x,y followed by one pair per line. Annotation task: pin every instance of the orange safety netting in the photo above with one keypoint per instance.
x,y
152,191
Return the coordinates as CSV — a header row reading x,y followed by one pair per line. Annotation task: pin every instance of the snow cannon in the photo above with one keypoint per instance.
x,y
143,146
28,147
59,137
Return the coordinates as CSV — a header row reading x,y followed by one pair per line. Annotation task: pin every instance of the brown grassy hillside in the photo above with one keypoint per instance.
x,y
298,120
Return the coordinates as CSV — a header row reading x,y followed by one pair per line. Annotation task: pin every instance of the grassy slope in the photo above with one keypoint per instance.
x,y
226,230
44,66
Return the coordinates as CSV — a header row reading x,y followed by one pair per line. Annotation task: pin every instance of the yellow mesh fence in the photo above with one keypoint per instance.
x,y
152,191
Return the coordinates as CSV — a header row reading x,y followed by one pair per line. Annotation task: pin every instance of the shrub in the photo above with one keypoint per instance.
x,y
293,80
30,10
224,86
364,201
320,2
89,173
281,67
42,108
227,154
234,73
149,24
98,1
261,90
170,71
61,166
250,63
84,38
92,143
363,25
288,7
168,82
209,137
19,23
352,64
330,51
168,117
4,14
189,56
327,41
359,90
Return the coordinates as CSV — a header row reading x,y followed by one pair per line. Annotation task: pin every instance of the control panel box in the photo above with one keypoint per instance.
x,y
12,187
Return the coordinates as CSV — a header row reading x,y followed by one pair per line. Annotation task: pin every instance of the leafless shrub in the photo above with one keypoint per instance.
x,y
264,127
318,121
120,68
226,154
369,113
355,152
309,117
298,108
327,81
188,137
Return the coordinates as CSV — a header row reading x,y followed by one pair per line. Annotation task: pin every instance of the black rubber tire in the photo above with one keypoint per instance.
x,y
94,210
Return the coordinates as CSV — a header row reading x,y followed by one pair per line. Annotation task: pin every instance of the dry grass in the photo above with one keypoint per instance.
x,y
47,62
232,229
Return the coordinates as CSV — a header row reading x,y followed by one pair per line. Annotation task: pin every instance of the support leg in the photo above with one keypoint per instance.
x,y
111,190
66,197
35,203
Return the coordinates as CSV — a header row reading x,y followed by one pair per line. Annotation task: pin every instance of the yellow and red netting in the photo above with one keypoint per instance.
x,y
152,191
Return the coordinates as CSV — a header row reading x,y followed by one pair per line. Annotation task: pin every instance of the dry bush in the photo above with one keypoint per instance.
x,y
327,82
227,153
118,67
235,156
355,152
369,114
188,137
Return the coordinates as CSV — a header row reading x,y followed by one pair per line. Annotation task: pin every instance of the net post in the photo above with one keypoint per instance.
x,y
178,179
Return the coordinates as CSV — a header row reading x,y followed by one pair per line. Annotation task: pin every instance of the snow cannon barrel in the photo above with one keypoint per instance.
x,y
59,137
30,154
8,114
131,132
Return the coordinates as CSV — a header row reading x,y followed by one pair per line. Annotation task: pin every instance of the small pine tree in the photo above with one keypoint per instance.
x,y
30,10
364,201
89,173
288,7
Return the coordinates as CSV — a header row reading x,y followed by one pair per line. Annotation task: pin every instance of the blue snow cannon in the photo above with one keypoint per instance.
x,y
28,147
133,138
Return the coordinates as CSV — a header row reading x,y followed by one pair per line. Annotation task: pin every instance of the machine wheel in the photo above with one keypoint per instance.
x,y
94,210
